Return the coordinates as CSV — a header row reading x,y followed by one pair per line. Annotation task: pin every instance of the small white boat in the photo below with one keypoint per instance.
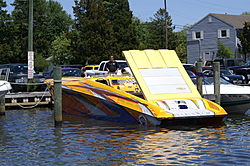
x,y
4,88
234,98
4,84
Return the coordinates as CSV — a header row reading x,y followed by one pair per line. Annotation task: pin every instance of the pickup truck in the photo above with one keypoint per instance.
x,y
18,77
242,70
102,71
225,63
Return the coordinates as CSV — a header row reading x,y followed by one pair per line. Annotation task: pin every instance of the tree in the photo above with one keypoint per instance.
x,y
157,29
181,49
59,21
49,20
40,63
96,36
223,51
244,36
245,13
8,42
121,19
59,50
142,33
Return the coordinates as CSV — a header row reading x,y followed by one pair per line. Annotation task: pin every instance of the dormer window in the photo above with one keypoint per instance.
x,y
210,19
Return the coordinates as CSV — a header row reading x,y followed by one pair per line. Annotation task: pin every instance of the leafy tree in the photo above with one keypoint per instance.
x,y
40,63
244,36
59,50
121,19
7,32
157,29
181,48
245,13
142,33
96,36
181,51
49,20
58,21
223,51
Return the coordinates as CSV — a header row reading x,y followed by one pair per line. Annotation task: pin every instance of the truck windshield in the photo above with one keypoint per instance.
x,y
19,69
247,64
122,65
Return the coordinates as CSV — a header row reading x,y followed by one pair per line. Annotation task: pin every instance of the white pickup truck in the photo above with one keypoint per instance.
x,y
102,71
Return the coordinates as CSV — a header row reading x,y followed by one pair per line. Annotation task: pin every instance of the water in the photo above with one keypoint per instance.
x,y
29,137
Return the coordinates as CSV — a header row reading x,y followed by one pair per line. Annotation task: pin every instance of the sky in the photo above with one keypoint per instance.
x,y
182,12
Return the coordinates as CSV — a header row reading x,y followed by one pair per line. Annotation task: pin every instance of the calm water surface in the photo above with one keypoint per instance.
x,y
29,137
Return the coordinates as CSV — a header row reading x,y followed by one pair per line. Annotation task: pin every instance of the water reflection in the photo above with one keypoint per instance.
x,y
28,137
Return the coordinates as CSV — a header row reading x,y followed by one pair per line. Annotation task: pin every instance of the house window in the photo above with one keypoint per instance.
x,y
197,35
223,33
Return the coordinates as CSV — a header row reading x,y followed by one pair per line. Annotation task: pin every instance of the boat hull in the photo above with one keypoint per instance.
x,y
100,106
4,88
235,103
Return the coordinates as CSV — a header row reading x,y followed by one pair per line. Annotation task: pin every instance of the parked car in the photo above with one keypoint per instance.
x,y
225,63
102,70
228,76
79,66
232,78
191,74
91,67
18,77
208,65
242,70
66,72
189,67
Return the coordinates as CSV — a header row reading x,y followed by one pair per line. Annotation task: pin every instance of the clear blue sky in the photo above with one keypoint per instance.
x,y
182,12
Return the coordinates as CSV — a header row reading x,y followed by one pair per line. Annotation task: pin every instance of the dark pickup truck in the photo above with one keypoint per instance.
x,y
242,70
18,77
225,63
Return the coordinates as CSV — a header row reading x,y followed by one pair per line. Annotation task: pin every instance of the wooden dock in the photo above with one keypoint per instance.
x,y
28,99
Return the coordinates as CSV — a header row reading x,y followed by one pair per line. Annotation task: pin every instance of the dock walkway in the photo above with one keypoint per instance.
x,y
28,99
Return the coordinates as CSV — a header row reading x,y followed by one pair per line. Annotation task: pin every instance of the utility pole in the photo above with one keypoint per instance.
x,y
30,42
166,21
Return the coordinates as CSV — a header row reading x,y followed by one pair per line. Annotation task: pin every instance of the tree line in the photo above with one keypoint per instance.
x,y
99,28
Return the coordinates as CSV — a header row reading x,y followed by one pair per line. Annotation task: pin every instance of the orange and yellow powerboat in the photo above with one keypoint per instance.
x,y
159,93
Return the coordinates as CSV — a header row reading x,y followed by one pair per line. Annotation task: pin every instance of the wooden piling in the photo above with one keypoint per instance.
x,y
2,106
216,70
58,95
198,66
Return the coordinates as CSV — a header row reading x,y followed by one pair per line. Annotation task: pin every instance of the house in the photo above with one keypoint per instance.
x,y
202,37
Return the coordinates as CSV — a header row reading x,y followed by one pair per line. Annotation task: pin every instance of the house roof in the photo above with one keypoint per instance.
x,y
235,20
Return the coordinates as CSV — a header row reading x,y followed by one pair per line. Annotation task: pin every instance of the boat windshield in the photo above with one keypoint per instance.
x,y
122,81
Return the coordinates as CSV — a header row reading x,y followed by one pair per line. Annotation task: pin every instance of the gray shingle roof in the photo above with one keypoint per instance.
x,y
235,20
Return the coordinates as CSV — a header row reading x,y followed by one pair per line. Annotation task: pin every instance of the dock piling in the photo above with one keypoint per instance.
x,y
198,66
216,69
58,95
2,106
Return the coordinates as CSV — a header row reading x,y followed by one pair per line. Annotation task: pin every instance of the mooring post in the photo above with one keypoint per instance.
x,y
198,66
2,106
57,95
216,69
